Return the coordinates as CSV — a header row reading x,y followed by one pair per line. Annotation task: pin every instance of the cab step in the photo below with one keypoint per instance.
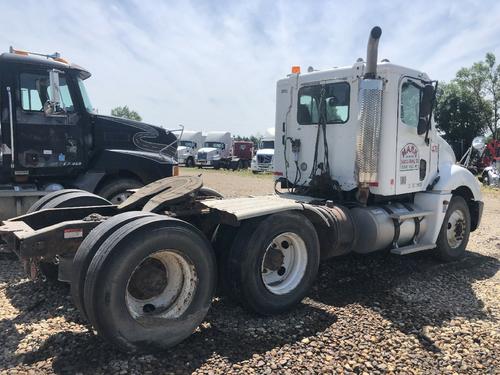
x,y
404,250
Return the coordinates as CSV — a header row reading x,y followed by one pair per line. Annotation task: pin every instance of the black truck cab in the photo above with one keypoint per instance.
x,y
51,137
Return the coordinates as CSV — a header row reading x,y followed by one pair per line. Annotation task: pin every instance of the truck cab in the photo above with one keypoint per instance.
x,y
263,160
216,150
189,143
51,137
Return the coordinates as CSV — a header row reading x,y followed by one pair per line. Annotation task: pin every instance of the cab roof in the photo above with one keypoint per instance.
x,y
14,58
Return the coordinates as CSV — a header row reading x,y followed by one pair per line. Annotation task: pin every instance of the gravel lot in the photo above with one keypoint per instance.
x,y
376,314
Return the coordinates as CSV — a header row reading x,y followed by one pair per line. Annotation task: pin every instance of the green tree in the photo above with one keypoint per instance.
x,y
125,112
460,113
482,79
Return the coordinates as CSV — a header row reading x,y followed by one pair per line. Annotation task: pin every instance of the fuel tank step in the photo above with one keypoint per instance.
x,y
404,250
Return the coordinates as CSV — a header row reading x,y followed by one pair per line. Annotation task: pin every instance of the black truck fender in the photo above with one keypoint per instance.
x,y
144,166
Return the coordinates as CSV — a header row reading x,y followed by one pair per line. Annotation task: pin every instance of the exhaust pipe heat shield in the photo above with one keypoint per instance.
x,y
368,138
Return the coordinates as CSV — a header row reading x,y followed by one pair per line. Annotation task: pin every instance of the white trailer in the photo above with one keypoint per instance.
x,y
188,146
364,170
263,160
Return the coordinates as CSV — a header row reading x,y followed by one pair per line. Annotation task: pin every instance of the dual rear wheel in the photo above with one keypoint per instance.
x,y
146,281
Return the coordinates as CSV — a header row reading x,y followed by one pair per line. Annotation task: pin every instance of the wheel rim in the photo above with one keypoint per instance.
x,y
120,197
455,230
162,285
284,263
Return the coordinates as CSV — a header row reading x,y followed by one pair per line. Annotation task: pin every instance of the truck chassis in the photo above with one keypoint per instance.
x,y
143,273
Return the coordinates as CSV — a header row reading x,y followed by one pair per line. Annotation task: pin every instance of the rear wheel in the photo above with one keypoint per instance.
x,y
455,230
117,190
272,262
46,198
89,247
150,284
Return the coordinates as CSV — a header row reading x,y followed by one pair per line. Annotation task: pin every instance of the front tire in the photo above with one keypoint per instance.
x,y
455,231
190,162
116,190
272,263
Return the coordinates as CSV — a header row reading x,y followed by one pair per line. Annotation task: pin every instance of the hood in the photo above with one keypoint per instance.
x,y
446,153
208,150
265,151
182,149
120,133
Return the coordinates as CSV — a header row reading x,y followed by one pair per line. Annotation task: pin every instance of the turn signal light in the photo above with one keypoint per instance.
x,y
295,69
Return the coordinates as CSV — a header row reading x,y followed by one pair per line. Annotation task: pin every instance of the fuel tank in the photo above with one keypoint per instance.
x,y
376,230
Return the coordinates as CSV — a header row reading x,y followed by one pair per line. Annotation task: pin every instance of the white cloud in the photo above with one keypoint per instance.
x,y
213,65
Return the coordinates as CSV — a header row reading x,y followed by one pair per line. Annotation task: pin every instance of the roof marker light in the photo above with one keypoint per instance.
x,y
295,69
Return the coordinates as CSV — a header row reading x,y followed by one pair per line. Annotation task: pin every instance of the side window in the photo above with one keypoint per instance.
x,y
308,112
334,98
35,92
410,103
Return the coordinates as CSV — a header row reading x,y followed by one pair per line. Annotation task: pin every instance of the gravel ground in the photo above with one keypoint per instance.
x,y
365,315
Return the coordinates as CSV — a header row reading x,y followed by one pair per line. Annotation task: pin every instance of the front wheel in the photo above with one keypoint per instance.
x,y
455,230
272,262
190,162
117,191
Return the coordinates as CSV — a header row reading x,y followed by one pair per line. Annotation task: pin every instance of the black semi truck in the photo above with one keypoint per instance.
x,y
51,138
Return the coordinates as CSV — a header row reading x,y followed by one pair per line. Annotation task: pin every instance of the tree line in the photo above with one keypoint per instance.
x,y
469,105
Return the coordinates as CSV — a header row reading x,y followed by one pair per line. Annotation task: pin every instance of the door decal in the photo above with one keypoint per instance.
x,y
409,159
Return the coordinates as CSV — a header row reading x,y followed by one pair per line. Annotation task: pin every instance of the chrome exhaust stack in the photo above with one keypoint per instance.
x,y
370,120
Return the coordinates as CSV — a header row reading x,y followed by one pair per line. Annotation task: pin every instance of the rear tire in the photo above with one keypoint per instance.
x,y
116,190
272,262
128,297
455,230
46,198
89,247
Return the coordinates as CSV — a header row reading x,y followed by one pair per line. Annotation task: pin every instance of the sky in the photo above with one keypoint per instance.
x,y
213,65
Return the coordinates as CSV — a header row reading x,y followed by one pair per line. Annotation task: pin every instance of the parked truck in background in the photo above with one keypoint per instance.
x,y
263,159
363,167
51,138
219,151
188,145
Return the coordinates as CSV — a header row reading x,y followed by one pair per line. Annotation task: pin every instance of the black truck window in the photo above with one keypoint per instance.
x,y
335,101
35,91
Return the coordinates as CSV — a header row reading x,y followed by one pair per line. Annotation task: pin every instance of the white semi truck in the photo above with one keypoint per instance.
x,y
188,146
216,150
363,169
263,159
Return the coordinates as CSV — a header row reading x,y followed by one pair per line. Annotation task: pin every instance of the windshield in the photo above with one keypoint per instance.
x,y
267,144
218,145
187,144
86,100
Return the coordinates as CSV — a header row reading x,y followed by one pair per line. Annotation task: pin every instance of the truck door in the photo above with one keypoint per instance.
x,y
413,152
46,143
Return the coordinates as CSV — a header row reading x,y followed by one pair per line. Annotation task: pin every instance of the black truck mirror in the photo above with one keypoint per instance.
x,y
425,109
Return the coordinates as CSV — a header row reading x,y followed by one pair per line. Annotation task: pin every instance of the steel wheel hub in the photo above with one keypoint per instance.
x,y
162,285
455,229
284,263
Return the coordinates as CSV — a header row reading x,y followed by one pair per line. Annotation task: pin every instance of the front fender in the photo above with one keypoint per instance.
x,y
453,176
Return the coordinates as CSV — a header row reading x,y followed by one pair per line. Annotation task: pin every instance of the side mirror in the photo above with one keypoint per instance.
x,y
425,109
479,143
53,105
